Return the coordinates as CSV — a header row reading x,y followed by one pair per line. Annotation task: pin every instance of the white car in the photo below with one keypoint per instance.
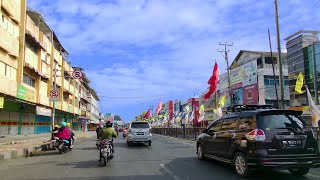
x,y
139,132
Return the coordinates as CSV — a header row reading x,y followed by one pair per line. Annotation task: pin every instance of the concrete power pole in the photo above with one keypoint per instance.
x,y
282,103
225,51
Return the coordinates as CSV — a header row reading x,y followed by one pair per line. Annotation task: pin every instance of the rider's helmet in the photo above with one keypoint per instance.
x,y
56,126
108,124
68,125
63,124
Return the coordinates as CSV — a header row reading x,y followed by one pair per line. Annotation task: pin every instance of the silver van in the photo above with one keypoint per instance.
x,y
139,132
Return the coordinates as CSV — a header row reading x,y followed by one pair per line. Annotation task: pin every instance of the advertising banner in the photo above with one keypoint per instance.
x,y
251,94
249,73
223,82
236,78
170,110
238,96
43,111
227,103
26,94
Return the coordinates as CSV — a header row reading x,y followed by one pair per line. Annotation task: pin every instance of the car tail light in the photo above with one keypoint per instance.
x,y
257,135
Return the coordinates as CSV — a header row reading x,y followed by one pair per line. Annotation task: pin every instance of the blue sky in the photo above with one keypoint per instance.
x,y
164,49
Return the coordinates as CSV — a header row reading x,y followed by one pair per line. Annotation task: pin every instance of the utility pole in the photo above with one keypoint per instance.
x,y
225,51
282,103
54,87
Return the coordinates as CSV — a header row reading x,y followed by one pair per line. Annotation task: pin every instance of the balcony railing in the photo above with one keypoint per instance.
x,y
12,8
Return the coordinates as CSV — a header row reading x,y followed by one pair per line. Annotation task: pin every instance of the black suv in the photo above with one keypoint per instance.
x,y
252,137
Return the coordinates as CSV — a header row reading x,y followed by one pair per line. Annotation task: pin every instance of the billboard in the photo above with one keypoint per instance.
x,y
249,73
223,82
238,96
236,78
251,94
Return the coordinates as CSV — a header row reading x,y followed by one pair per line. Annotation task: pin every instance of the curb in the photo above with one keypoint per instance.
x,y
29,151
191,142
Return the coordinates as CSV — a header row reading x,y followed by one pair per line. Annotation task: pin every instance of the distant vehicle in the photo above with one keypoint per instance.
x,y
139,132
261,138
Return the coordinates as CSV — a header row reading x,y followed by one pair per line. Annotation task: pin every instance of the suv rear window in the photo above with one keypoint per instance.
x,y
280,121
139,125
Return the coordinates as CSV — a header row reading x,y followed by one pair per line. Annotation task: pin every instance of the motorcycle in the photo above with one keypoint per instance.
x,y
106,152
55,143
124,132
63,146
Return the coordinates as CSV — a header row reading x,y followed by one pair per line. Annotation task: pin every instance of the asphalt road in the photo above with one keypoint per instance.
x,y
165,159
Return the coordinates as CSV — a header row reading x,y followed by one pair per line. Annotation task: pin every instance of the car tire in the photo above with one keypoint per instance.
x,y
200,152
241,165
299,171
149,143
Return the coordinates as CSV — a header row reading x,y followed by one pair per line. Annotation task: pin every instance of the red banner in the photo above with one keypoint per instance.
x,y
251,94
170,110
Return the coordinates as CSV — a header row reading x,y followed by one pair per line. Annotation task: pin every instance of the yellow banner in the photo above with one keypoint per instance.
x,y
1,102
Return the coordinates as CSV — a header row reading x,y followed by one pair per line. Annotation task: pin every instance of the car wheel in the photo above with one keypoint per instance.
x,y
200,152
149,143
299,171
240,165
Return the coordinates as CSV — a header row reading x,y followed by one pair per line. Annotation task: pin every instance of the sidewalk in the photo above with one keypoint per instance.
x,y
29,145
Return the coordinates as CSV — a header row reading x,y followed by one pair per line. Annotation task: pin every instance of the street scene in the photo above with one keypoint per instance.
x,y
155,89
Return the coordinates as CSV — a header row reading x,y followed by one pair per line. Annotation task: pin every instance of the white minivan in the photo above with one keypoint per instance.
x,y
139,132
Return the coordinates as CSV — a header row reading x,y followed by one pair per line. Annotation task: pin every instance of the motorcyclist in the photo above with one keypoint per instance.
x,y
63,132
54,131
71,135
99,128
107,134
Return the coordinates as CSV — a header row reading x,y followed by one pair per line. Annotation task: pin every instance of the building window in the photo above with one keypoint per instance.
x,y
268,60
32,47
29,80
259,63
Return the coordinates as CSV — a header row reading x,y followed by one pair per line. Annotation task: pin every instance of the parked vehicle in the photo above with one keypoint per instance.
x,y
63,146
139,132
106,151
261,137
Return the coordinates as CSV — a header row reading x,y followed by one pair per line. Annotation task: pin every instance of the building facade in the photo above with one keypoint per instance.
x,y
252,80
303,49
30,55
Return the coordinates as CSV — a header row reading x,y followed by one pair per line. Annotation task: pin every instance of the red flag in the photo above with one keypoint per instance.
x,y
211,90
147,115
215,76
159,107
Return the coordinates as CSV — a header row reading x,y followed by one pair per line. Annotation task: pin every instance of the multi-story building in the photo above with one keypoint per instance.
x,y
303,50
30,55
252,80
94,108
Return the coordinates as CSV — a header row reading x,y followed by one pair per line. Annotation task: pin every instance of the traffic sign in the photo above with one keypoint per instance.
x,y
77,74
54,95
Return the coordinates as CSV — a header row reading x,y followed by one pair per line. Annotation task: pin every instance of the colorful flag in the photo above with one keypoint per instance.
x,y
159,107
315,112
187,108
219,112
299,83
222,101
213,81
147,115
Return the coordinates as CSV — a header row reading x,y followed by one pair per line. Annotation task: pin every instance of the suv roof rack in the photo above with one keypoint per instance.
x,y
240,108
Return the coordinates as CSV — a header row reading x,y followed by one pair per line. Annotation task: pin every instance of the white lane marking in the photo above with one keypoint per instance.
x,y
172,174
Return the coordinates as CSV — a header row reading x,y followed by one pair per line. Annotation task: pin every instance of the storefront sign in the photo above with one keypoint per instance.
x,y
1,102
26,94
236,78
43,111
249,73
250,94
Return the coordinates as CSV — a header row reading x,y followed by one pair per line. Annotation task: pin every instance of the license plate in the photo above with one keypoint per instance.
x,y
140,133
292,143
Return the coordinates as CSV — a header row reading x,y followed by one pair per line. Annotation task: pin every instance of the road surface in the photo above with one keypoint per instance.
x,y
166,159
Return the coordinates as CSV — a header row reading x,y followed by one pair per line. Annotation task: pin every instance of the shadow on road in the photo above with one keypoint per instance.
x,y
183,168
82,164
138,177
88,148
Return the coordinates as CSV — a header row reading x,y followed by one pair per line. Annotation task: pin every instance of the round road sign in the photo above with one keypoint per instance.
x,y
54,93
77,74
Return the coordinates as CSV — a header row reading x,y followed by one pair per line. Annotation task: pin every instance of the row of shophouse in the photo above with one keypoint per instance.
x,y
252,81
30,51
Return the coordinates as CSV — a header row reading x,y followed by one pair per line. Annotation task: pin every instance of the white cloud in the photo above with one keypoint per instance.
x,y
156,47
